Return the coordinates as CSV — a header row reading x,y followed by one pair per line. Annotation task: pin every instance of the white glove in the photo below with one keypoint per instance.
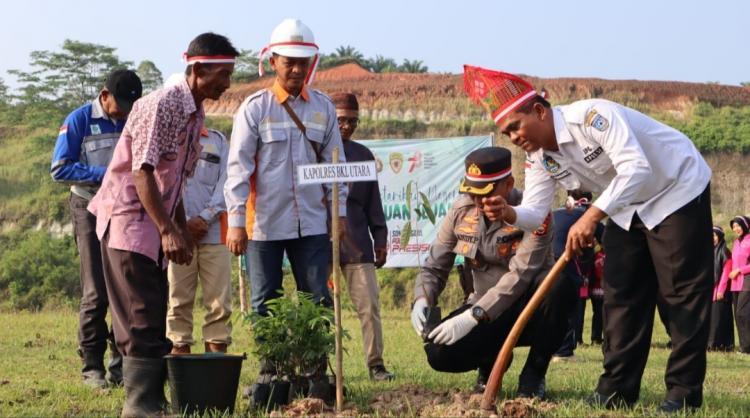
x,y
453,329
417,315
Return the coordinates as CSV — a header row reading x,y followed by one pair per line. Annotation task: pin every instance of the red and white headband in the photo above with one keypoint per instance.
x,y
489,177
514,105
209,59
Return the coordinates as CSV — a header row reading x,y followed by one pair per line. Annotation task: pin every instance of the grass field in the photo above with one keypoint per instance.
x,y
39,372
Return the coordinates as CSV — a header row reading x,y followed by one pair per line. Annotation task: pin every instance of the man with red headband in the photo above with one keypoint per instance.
x,y
140,219
653,185
275,130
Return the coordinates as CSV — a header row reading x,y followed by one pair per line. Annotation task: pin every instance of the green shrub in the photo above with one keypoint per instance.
x,y
35,268
294,335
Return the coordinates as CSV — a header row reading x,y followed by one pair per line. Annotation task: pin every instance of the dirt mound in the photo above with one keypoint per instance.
x,y
418,401
350,71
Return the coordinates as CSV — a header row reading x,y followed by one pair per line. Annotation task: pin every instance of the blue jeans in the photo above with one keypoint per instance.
x,y
310,258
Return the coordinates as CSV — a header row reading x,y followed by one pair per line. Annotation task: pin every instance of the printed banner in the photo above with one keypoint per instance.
x,y
434,167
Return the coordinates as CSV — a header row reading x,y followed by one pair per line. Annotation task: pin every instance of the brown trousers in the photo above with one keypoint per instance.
x,y
137,289
363,289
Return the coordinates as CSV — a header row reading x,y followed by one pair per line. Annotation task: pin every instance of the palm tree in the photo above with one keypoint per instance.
x,y
348,52
416,66
381,64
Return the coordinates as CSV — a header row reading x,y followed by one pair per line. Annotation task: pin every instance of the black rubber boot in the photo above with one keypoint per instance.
x,y
92,371
143,379
114,377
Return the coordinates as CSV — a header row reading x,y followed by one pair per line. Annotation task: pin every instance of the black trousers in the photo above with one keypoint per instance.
x,y
721,330
674,263
742,317
93,332
596,319
138,293
479,348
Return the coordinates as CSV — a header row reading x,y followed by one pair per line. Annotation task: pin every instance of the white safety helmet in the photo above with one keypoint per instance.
x,y
291,38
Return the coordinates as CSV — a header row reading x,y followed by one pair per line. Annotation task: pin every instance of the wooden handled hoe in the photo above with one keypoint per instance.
x,y
494,383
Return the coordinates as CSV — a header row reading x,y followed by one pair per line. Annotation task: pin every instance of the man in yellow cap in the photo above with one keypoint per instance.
x,y
275,130
507,265
653,184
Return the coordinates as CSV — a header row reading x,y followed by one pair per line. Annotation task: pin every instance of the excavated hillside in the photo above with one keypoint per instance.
x,y
440,97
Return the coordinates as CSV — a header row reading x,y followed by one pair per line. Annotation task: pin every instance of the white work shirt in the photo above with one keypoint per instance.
x,y
639,165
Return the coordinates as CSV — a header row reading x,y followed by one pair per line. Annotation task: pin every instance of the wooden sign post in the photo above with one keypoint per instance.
x,y
336,173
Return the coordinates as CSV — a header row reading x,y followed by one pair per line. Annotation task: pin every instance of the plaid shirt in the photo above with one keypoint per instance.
x,y
163,132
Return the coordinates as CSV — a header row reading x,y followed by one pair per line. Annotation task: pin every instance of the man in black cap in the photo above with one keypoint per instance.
x,y
507,266
82,152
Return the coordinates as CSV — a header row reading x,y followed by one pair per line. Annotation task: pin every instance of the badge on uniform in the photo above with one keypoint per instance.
x,y
597,121
96,130
544,228
550,164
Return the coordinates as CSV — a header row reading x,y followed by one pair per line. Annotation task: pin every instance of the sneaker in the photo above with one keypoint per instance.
x,y
95,379
380,374
570,358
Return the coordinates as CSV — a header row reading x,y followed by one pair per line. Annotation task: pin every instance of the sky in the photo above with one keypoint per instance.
x,y
688,40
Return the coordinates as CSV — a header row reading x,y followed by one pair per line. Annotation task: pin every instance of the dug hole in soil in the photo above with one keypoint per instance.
x,y
417,401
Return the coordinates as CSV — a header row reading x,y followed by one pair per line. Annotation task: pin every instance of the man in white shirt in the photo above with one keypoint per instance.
x,y
653,185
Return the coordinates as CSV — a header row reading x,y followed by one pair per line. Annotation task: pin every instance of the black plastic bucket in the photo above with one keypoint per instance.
x,y
204,382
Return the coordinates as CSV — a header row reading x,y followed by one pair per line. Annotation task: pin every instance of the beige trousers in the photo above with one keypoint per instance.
x,y
211,265
363,289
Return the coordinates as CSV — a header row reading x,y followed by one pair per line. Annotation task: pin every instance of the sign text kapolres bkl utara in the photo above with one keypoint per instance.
x,y
342,173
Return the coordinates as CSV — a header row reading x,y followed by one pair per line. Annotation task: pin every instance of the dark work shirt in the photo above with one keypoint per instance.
x,y
580,267
364,213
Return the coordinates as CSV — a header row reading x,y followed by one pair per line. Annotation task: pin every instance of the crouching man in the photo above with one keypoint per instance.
x,y
507,266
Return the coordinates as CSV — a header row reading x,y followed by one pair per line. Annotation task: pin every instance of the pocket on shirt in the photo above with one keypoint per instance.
x,y
273,149
316,137
207,170
98,149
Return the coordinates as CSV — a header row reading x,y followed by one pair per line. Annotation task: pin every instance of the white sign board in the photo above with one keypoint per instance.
x,y
340,173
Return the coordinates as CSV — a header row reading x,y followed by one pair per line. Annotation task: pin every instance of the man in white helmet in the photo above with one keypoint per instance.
x,y
275,130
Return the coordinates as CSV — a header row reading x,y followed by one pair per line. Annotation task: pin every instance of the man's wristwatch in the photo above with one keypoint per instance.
x,y
479,314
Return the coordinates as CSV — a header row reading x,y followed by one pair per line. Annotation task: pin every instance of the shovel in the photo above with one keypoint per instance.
x,y
494,383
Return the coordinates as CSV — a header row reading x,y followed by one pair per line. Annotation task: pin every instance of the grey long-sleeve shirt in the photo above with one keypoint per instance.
x,y
204,191
504,260
261,192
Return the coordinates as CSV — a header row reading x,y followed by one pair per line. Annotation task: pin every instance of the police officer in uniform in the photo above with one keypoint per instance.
x,y
507,265
653,184
82,153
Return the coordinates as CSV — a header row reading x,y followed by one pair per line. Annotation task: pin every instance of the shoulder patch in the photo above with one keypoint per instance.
x,y
544,228
218,133
597,121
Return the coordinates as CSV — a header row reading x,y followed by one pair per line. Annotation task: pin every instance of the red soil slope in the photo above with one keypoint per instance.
x,y
442,94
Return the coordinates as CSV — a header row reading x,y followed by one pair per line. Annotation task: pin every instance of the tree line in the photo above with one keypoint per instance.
x,y
73,75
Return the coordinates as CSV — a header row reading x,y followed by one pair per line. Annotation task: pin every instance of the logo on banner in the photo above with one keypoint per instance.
x,y
415,161
396,161
378,164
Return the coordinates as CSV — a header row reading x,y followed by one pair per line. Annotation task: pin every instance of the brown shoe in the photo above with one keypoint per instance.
x,y
180,349
215,347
